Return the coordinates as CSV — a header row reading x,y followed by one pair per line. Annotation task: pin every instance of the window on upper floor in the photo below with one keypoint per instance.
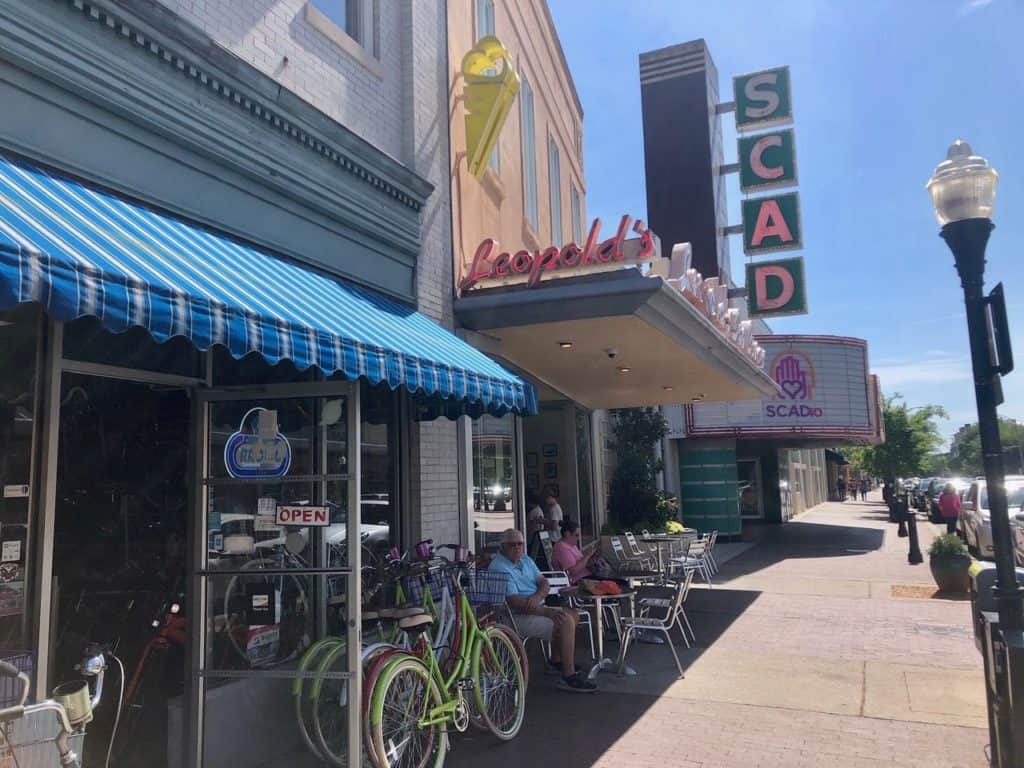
x,y
355,18
529,153
555,182
577,214
485,27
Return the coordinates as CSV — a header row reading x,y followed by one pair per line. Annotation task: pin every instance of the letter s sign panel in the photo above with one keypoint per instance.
x,y
762,99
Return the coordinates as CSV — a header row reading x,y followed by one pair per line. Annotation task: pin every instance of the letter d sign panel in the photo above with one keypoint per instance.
x,y
776,288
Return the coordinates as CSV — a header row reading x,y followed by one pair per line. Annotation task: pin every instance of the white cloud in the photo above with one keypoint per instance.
x,y
933,370
973,5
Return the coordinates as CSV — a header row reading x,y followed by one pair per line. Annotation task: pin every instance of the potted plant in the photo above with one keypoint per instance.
x,y
949,562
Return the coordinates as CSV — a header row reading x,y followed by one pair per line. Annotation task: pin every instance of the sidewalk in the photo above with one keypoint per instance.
x,y
805,657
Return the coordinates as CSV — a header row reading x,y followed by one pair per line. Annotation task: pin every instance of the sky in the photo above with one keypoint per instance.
x,y
880,90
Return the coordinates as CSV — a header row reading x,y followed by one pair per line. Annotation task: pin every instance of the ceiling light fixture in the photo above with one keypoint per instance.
x,y
565,344
666,387
623,369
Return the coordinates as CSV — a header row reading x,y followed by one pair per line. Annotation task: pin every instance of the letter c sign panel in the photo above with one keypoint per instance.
x,y
767,161
776,288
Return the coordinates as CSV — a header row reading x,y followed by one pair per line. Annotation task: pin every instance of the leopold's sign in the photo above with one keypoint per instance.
x,y
490,263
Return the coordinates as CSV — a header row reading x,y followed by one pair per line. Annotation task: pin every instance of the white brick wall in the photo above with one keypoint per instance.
x,y
435,500
403,112
435,482
264,32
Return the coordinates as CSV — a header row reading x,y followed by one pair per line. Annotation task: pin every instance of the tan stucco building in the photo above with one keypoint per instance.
x,y
544,130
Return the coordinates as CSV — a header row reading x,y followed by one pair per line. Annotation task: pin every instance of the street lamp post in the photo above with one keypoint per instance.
x,y
963,190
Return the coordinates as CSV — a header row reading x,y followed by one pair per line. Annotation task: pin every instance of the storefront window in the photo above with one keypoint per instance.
x,y
122,502
253,368
86,340
379,457
19,347
494,466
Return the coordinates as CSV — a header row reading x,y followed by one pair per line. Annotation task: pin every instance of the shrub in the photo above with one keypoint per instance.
x,y
674,526
947,545
635,503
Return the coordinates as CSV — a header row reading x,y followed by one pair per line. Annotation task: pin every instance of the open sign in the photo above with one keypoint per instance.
x,y
312,516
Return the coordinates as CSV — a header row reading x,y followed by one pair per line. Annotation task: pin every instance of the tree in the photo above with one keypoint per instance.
x,y
911,436
634,498
965,448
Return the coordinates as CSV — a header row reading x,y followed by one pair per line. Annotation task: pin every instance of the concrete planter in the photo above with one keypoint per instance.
x,y
951,572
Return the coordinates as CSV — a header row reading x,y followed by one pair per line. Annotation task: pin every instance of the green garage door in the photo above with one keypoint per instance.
x,y
709,496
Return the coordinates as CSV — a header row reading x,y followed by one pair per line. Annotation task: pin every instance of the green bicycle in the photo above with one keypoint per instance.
x,y
416,697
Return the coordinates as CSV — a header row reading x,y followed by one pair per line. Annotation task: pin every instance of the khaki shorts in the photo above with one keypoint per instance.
x,y
529,626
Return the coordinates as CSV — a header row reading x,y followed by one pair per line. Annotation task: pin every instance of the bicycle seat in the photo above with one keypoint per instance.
x,y
407,611
416,623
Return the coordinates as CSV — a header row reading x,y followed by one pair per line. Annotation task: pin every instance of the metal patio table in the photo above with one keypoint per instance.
x,y
668,539
598,602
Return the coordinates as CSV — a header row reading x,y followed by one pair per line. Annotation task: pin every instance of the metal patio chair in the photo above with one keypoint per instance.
x,y
627,561
696,559
634,625
559,580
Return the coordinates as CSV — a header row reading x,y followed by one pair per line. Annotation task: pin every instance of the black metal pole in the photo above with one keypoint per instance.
x,y
967,239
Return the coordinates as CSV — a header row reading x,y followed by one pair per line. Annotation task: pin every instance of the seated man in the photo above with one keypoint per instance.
x,y
527,590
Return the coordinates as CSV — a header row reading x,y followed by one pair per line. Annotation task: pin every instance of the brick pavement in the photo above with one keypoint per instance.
x,y
803,658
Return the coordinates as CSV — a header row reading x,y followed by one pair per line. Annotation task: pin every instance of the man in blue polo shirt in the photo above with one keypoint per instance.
x,y
527,590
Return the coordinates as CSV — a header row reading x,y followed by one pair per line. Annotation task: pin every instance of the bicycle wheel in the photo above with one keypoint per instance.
x,y
302,693
373,667
329,703
517,642
499,691
405,692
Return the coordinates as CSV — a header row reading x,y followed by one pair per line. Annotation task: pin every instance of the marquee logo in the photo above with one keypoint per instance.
x,y
794,373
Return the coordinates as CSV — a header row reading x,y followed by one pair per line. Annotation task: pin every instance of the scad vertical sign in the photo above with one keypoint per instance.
x,y
767,161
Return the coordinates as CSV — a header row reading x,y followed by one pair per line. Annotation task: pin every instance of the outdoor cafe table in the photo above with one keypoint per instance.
x,y
597,602
668,539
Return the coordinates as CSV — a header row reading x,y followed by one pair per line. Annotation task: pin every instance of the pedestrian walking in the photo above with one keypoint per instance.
x,y
863,489
841,487
949,507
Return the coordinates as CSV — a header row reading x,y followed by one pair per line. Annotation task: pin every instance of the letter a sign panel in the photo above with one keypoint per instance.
x,y
762,99
776,288
771,224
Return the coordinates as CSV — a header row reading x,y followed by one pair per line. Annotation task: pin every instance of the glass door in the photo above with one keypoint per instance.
x,y
749,487
277,555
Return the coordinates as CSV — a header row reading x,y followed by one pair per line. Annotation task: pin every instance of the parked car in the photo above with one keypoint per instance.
x,y
919,494
975,524
1017,529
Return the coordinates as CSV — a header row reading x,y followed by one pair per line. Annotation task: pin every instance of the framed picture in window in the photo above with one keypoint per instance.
x,y
549,450
550,470
531,460
533,481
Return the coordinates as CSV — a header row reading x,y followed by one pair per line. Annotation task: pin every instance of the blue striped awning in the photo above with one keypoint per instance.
x,y
78,251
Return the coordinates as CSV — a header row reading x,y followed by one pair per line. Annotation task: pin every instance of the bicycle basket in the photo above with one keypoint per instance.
x,y
32,740
487,587
10,688
436,581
